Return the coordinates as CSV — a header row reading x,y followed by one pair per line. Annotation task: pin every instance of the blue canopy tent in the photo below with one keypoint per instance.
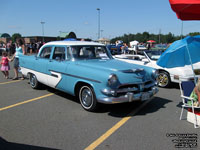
x,y
70,39
180,53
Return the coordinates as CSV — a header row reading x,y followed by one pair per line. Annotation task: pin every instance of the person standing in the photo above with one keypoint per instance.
x,y
5,67
135,49
148,46
8,48
124,48
20,49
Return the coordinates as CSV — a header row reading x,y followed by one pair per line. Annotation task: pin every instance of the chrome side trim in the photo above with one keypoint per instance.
x,y
133,70
75,76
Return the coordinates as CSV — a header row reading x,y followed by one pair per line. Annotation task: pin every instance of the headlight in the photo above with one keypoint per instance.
x,y
112,79
154,73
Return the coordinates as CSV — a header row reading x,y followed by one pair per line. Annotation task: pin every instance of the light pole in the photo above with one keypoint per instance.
x,y
98,9
42,22
159,39
181,29
101,35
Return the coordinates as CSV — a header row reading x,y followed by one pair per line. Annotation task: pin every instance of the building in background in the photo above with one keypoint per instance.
x,y
104,41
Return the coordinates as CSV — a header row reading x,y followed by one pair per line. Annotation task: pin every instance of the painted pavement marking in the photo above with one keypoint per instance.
x,y
27,101
9,82
115,127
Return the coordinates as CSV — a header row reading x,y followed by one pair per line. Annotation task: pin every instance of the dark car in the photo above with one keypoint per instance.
x,y
114,49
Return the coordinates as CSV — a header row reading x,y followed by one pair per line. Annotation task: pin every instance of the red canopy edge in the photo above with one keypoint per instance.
x,y
188,16
184,1
186,9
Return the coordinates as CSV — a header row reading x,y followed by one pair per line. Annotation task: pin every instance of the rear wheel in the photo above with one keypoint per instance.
x,y
87,98
163,79
34,82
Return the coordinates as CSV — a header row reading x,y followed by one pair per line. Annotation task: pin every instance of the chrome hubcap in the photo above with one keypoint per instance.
x,y
32,80
86,97
163,79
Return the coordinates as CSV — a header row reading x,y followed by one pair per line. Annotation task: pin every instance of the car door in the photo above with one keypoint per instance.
x,y
41,64
57,67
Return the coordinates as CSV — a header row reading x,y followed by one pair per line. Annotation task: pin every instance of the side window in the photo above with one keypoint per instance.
x,y
59,53
69,54
46,52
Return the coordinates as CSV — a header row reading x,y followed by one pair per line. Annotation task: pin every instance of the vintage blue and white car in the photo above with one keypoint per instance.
x,y
87,70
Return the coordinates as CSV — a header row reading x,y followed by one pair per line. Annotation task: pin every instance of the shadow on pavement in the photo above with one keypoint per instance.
x,y
120,110
5,145
174,86
62,94
179,105
154,105
127,109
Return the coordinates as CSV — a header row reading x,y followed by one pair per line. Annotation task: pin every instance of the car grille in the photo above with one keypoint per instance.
x,y
134,88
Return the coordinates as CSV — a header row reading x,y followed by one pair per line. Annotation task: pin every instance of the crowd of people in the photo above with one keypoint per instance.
x,y
12,52
30,48
124,48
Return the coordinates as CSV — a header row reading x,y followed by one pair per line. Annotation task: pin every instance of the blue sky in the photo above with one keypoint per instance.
x,y
80,16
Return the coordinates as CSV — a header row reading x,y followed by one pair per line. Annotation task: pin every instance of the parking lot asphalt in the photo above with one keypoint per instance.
x,y
48,119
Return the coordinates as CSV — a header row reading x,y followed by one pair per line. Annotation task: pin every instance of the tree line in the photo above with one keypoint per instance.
x,y
145,36
141,37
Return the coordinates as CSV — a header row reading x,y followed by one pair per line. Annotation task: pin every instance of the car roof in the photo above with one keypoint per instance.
x,y
74,43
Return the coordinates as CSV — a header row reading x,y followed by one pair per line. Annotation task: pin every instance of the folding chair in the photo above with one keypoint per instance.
x,y
186,88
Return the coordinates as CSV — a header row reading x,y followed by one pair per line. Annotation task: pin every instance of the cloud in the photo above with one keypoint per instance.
x,y
86,23
14,27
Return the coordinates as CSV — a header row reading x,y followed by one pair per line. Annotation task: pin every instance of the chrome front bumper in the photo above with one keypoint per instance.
x,y
129,97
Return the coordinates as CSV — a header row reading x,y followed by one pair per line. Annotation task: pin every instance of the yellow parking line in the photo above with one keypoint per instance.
x,y
115,127
9,82
107,134
27,101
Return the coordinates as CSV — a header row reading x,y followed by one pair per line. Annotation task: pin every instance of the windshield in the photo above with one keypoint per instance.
x,y
154,55
89,52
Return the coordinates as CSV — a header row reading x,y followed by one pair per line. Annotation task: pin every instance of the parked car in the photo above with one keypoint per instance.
x,y
159,47
114,49
165,75
87,70
140,49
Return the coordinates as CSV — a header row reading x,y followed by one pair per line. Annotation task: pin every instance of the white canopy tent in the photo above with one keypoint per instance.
x,y
132,43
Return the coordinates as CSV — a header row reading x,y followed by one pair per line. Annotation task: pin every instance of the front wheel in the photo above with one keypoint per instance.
x,y
34,82
163,79
87,98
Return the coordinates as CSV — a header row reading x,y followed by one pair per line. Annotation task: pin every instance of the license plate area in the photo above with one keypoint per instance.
x,y
145,96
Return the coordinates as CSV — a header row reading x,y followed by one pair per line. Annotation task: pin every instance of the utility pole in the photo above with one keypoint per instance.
x,y
42,22
98,9
159,36
181,29
101,35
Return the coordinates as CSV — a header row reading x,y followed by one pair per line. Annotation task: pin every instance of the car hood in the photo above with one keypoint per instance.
x,y
126,72
111,64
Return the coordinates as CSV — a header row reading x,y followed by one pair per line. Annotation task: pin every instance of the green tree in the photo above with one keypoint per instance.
x,y
145,36
16,36
170,38
194,33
